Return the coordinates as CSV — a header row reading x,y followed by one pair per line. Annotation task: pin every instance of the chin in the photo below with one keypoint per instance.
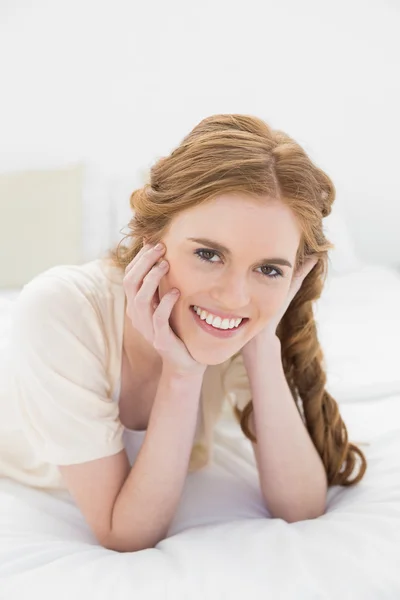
x,y
210,351
212,355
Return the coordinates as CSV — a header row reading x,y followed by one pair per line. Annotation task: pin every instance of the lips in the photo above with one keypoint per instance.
x,y
215,331
217,314
242,322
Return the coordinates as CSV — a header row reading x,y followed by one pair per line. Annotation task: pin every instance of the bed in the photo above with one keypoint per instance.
x,y
222,542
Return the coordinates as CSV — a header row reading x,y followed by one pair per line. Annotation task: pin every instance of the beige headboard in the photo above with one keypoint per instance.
x,y
40,222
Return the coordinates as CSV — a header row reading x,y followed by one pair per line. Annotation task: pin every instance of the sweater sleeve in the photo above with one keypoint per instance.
x,y
59,372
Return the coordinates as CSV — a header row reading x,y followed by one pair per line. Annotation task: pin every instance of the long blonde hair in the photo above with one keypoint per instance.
x,y
241,153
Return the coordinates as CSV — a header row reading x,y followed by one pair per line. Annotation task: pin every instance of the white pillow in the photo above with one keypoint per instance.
x,y
41,222
343,258
51,216
358,321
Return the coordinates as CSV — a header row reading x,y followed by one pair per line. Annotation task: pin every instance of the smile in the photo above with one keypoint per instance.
x,y
217,321
216,326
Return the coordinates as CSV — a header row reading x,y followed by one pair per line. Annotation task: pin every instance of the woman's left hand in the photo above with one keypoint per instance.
x,y
268,333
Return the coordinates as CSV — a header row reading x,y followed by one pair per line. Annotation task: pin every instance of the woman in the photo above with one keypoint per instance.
x,y
117,382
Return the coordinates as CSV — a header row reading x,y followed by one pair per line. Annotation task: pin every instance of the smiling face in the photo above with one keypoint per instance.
x,y
244,280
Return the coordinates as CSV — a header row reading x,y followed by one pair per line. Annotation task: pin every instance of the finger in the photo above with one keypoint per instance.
x,y
145,295
161,318
135,259
140,266
165,306
146,250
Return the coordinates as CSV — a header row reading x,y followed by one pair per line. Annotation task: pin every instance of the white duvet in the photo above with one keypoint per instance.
x,y
222,542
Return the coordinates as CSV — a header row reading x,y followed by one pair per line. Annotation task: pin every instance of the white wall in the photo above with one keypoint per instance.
x,y
120,83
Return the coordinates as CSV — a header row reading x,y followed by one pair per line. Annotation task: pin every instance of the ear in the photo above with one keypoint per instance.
x,y
311,262
302,271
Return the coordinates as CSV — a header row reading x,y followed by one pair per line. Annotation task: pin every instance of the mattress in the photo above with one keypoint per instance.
x,y
222,542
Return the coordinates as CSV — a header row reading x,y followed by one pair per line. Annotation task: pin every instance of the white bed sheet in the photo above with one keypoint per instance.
x,y
222,542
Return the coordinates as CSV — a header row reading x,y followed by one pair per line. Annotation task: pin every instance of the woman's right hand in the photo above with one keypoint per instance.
x,y
150,316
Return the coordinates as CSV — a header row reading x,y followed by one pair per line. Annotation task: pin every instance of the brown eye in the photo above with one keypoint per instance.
x,y
272,276
202,254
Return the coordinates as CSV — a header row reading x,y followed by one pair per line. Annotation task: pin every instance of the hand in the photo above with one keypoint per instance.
x,y
268,334
150,316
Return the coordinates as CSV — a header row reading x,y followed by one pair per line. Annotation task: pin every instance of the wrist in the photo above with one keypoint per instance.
x,y
266,351
182,377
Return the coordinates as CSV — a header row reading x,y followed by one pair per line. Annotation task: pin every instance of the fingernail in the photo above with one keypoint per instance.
x,y
159,246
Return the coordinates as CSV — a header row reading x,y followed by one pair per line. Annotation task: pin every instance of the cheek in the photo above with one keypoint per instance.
x,y
273,300
181,275
177,276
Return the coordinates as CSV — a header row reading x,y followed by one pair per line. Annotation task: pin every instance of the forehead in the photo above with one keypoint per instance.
x,y
237,220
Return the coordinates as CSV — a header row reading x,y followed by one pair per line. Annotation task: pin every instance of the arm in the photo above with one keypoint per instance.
x,y
292,475
131,509
147,502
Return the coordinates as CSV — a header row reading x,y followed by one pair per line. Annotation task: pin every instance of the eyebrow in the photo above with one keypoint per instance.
x,y
221,248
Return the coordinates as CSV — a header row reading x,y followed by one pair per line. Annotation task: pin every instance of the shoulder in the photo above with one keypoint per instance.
x,y
81,281
68,289
84,301
64,349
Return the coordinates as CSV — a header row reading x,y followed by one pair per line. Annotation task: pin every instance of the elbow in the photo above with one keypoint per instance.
x,y
133,544
109,542
124,545
303,516
303,512
296,516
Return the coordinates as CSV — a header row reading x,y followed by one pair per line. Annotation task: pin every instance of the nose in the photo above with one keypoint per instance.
x,y
232,292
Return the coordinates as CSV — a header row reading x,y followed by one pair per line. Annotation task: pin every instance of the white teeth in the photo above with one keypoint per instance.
x,y
217,322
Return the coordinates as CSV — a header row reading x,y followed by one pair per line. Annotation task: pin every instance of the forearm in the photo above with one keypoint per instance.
x,y
292,476
149,497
